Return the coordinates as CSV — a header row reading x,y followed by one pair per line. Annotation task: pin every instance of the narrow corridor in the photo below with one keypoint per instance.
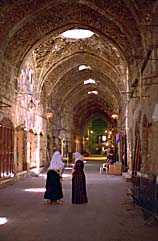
x,y
108,216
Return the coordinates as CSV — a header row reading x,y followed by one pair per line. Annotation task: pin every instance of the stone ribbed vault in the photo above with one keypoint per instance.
x,y
32,30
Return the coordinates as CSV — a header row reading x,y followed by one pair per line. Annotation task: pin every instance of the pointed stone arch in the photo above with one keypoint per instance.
x,y
6,122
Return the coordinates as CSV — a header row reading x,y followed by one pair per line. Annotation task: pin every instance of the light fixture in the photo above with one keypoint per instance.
x,y
49,115
77,33
114,116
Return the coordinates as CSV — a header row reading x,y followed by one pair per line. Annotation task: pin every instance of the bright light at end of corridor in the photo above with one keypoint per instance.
x,y
3,220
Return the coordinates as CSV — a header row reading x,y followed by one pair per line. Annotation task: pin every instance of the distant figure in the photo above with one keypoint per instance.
x,y
53,191
110,156
79,194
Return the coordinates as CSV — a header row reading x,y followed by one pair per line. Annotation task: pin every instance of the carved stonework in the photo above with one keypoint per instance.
x,y
103,21
74,61
36,59
49,52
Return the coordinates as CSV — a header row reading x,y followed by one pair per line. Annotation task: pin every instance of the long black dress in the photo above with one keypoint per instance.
x,y
53,186
79,194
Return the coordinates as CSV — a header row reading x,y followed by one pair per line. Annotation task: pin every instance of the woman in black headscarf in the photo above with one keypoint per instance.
x,y
79,194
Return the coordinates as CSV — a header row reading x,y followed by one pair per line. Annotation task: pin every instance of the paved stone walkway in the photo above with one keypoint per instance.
x,y
108,216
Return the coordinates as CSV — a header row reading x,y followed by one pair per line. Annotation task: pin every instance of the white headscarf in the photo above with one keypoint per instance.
x,y
56,161
77,156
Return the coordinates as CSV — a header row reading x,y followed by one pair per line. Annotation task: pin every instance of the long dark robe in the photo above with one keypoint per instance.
x,y
53,186
79,194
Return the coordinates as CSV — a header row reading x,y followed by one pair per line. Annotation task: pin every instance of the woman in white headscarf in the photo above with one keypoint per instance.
x,y
53,191
77,156
79,194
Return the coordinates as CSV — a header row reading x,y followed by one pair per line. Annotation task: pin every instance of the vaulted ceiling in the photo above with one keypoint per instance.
x,y
35,28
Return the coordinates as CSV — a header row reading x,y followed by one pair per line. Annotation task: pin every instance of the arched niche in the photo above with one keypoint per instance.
x,y
33,145
7,168
21,148
6,122
43,147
